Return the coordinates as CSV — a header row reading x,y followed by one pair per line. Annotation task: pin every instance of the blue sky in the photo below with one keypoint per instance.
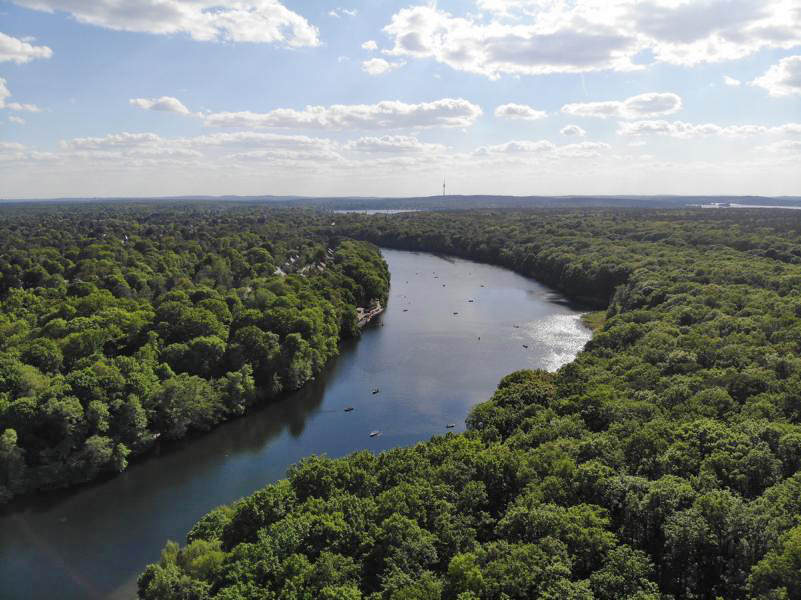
x,y
162,97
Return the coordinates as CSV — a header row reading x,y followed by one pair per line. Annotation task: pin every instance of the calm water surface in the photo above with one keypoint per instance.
x,y
427,361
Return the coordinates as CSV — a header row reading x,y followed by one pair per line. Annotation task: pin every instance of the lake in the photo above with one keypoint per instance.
x,y
432,355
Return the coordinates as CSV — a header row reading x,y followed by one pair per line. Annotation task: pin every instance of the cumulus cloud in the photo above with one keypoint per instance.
x,y
259,21
379,66
20,51
112,140
644,105
165,104
493,49
554,36
246,148
783,147
782,79
370,45
542,148
573,130
517,147
583,150
731,81
519,112
680,129
342,12
11,146
255,139
389,114
392,144
6,93
16,120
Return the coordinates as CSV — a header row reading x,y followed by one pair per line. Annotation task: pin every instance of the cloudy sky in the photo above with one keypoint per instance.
x,y
387,97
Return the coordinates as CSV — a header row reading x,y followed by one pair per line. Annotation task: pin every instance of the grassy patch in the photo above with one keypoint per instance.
x,y
594,320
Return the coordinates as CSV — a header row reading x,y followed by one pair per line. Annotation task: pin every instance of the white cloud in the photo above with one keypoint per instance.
x,y
260,162
680,129
517,147
22,107
389,114
113,140
370,45
342,12
783,147
782,79
379,66
254,139
164,104
583,150
731,81
242,150
644,105
494,48
519,111
522,149
240,140
20,51
6,93
261,21
287,158
572,130
392,144
17,120
11,146
533,37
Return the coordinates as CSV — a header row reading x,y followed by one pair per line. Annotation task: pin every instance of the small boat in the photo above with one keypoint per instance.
x,y
443,285
405,310
469,300
450,425
456,313
482,285
516,326
375,433
349,409
524,346
375,391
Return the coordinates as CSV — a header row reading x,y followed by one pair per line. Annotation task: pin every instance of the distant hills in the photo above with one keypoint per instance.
x,y
451,201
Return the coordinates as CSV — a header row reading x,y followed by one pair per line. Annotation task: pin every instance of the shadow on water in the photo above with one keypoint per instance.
x,y
249,433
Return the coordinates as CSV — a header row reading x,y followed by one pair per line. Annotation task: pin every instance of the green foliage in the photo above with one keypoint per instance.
x,y
661,464
124,325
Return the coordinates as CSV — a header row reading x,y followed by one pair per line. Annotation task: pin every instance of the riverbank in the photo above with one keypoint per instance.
x,y
417,359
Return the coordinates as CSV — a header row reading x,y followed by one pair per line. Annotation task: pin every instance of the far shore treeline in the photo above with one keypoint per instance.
x,y
662,463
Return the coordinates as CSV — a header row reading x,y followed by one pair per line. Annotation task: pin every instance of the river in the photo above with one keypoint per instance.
x,y
433,354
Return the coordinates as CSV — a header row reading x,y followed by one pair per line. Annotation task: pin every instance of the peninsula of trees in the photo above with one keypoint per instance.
x,y
121,325
662,463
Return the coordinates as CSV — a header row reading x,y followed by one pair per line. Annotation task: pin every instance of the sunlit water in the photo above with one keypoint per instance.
x,y
430,365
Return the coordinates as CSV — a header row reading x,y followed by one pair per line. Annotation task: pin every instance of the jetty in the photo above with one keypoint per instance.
x,y
365,315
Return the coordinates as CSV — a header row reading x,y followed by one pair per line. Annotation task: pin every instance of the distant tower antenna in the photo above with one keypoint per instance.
x,y
443,186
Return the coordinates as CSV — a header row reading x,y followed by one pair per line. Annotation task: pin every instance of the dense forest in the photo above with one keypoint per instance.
x,y
124,325
662,463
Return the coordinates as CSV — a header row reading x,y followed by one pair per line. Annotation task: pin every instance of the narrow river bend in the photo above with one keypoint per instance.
x,y
433,354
